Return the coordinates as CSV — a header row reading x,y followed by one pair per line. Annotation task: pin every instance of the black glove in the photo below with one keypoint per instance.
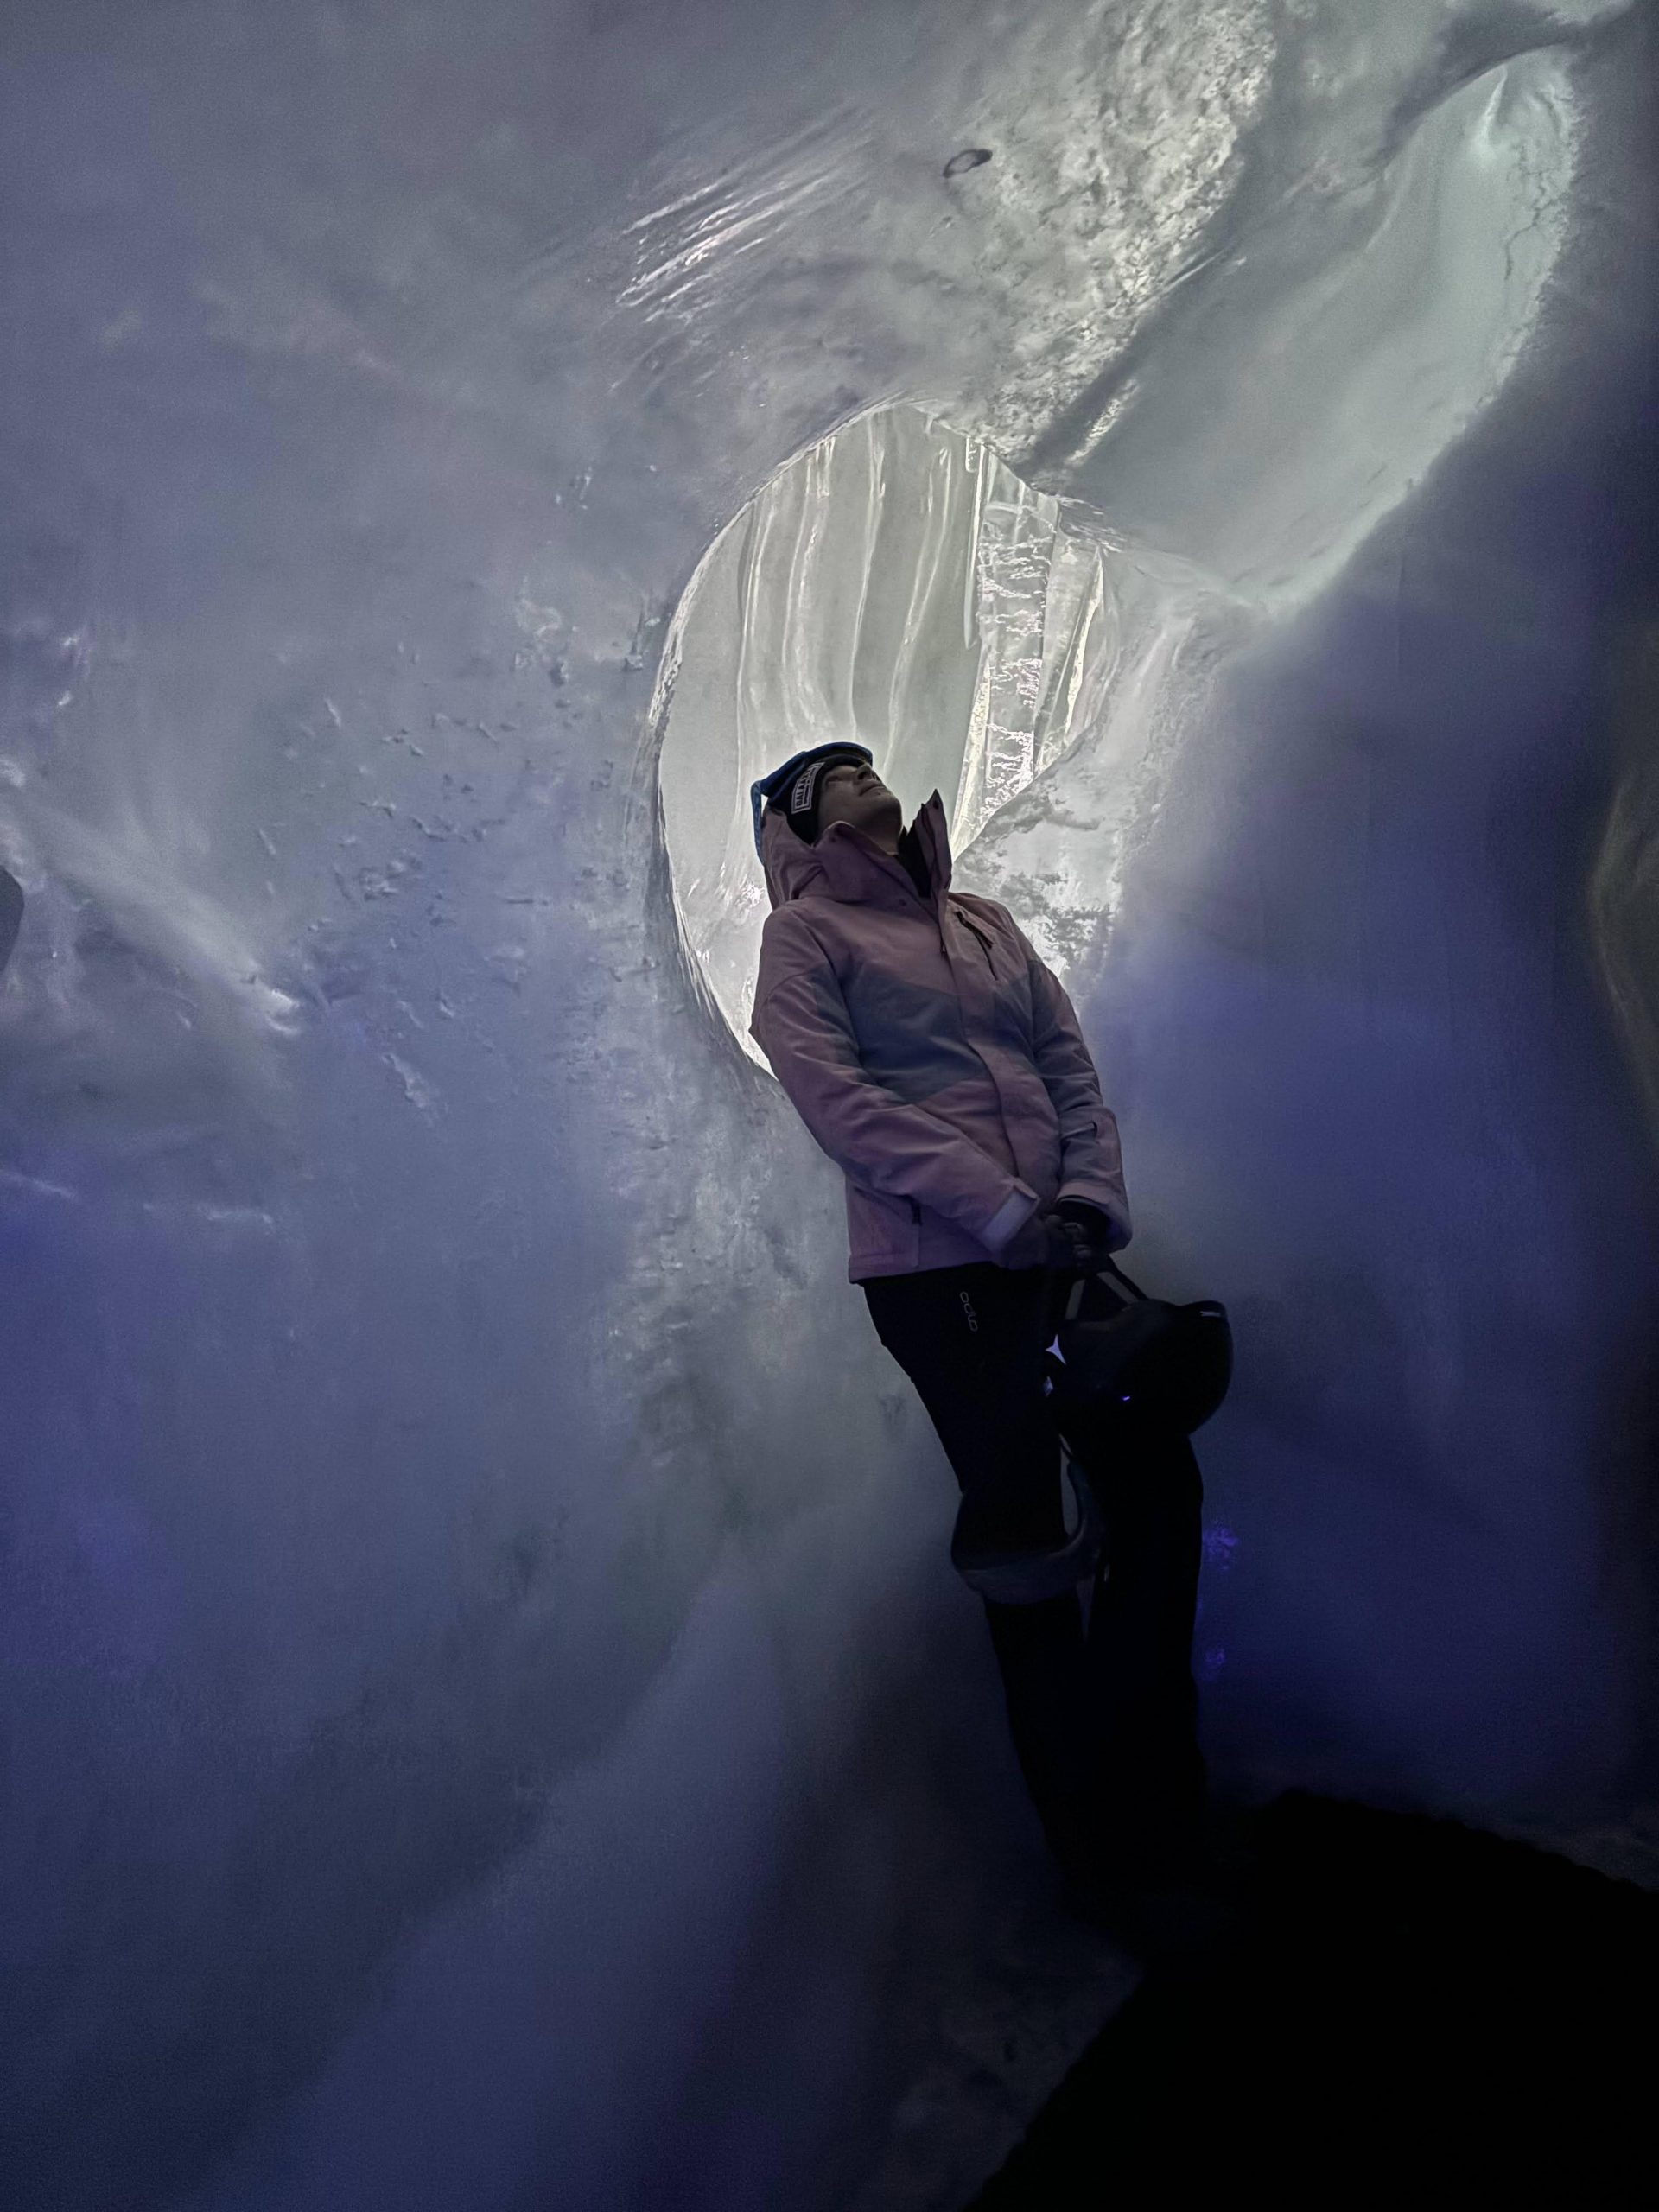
x,y
1092,1229
1042,1242
1069,1237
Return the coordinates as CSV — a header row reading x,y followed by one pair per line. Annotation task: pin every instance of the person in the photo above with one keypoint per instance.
x,y
937,1059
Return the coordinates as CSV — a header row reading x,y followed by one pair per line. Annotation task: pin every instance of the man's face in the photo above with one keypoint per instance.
x,y
852,791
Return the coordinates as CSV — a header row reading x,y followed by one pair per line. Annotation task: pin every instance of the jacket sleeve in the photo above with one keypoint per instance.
x,y
801,1023
1092,1160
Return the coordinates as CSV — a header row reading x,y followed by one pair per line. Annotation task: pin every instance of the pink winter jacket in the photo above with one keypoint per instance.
x,y
928,1049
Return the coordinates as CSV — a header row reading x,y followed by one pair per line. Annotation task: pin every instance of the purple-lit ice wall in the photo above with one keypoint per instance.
x,y
490,1715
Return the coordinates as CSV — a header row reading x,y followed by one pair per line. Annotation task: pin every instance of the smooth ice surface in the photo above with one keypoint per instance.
x,y
492,1719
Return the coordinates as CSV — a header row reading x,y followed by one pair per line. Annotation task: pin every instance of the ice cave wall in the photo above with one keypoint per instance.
x,y
487,1693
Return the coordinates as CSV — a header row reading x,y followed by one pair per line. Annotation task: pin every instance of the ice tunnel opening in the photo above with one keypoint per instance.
x,y
896,583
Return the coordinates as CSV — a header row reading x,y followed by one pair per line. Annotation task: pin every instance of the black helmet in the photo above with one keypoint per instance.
x,y
1125,1358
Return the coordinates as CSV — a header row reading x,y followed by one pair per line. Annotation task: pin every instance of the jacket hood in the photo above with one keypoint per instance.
x,y
846,864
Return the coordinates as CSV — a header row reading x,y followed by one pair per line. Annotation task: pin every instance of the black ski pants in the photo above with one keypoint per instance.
x,y
1104,1726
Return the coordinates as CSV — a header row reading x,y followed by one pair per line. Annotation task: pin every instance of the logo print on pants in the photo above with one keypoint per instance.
x,y
968,1309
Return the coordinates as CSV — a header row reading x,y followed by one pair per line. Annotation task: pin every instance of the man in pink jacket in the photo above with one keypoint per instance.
x,y
936,1058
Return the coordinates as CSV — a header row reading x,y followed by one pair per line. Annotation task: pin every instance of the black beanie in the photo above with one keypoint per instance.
x,y
798,801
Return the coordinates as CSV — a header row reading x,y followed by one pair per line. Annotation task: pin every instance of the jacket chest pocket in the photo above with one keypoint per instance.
x,y
1010,982
972,931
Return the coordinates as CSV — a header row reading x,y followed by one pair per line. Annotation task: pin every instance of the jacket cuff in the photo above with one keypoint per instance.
x,y
1009,1218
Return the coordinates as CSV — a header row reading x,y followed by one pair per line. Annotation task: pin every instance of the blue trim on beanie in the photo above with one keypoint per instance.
x,y
769,786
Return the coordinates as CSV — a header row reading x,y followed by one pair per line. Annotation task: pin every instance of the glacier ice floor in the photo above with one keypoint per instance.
x,y
1412,2007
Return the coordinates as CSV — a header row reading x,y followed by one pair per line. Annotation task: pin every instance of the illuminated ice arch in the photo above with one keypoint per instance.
x,y
899,584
